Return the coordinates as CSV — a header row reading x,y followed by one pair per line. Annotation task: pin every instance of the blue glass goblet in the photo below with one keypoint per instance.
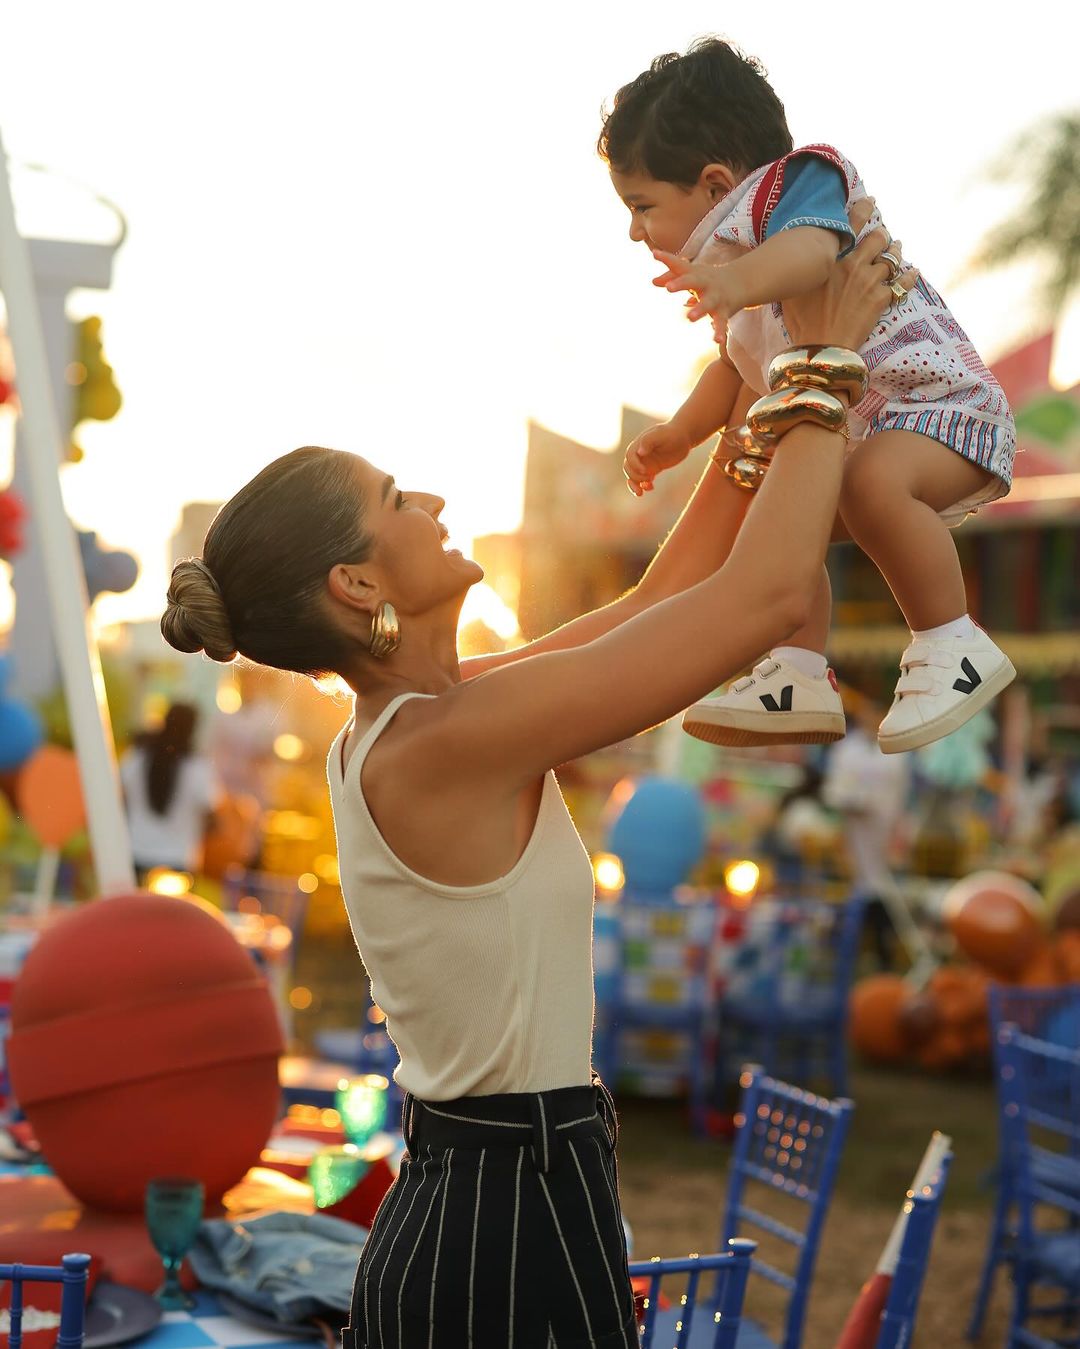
x,y
174,1209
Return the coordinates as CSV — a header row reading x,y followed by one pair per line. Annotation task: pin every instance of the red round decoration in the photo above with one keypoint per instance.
x,y
144,1043
995,918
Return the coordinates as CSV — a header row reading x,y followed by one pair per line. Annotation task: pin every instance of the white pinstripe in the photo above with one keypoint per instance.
x,y
369,1255
448,1157
513,1249
585,1119
615,1207
390,1252
543,1130
596,1227
416,1247
471,1119
569,1262
476,1226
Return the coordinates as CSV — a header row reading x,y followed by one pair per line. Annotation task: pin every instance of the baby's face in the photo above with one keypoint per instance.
x,y
662,215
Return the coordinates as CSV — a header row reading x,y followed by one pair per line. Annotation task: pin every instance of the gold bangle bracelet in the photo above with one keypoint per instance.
x,y
834,369
739,457
774,415
744,472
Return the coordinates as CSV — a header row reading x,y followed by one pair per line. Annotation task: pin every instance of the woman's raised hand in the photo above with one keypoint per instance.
x,y
848,307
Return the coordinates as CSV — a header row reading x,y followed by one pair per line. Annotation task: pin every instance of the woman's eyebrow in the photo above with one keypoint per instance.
x,y
388,482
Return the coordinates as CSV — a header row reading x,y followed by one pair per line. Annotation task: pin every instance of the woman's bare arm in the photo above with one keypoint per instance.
x,y
848,306
698,543
516,722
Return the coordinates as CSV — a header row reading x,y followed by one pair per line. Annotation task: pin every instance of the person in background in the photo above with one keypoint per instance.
x,y
800,826
868,789
171,792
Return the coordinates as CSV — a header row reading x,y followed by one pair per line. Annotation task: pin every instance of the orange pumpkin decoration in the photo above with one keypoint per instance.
x,y
919,1018
1042,970
1067,954
874,1018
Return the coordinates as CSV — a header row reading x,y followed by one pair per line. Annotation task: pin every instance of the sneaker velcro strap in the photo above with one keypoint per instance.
x,y
917,680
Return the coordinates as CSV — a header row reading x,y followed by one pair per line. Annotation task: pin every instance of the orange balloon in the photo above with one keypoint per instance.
x,y
1041,971
996,920
874,1021
51,796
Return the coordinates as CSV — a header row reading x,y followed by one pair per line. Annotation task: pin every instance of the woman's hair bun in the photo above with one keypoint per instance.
x,y
196,618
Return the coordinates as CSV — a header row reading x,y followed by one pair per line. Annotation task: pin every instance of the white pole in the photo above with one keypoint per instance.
x,y
79,663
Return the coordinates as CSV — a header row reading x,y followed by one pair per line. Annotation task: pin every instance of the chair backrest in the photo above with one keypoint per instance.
x,y
902,1304
805,948
72,1274
723,1308
1039,1117
789,1142
1047,1013
279,895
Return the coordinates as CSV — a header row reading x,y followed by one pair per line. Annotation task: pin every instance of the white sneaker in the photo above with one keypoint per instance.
x,y
943,682
776,705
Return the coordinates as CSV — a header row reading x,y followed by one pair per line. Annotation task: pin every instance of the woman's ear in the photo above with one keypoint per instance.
x,y
718,180
353,585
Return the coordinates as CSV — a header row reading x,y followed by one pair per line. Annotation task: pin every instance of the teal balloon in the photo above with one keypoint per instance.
x,y
660,835
21,733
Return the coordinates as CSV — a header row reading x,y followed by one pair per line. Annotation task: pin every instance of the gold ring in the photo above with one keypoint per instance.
x,y
899,294
895,265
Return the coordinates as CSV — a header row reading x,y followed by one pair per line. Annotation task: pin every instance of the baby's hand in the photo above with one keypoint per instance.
x,y
658,448
709,282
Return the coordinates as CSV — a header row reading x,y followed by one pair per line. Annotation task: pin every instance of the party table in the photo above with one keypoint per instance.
x,y
208,1326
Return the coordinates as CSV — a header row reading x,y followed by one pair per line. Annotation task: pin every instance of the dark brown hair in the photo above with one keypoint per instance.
x,y
711,106
165,751
259,588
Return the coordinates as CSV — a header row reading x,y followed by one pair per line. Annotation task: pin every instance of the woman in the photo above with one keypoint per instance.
x,y
468,890
170,792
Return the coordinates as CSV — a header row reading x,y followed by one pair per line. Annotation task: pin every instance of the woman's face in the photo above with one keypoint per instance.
x,y
409,541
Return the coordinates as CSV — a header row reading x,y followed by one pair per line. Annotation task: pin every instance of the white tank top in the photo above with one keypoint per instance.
x,y
486,988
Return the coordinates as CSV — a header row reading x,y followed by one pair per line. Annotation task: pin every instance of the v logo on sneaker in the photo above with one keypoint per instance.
x,y
974,679
771,705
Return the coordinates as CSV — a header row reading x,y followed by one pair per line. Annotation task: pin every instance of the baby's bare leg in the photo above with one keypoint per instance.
x,y
894,485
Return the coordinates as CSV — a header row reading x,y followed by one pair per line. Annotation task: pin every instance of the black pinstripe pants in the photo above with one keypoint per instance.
x,y
502,1230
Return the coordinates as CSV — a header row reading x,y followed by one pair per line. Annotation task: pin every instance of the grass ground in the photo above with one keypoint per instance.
x,y
673,1185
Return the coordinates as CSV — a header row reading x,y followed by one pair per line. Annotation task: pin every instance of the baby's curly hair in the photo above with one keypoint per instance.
x,y
712,105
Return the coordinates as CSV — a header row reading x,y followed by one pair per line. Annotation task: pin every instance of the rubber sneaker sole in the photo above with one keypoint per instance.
x,y
929,731
726,727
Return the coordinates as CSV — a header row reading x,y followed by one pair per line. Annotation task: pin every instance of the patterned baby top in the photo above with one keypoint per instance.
x,y
925,374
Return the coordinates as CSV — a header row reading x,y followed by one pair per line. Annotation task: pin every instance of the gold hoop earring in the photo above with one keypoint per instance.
x,y
385,631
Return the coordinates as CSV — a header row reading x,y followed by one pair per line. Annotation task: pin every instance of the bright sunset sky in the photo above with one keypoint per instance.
x,y
385,227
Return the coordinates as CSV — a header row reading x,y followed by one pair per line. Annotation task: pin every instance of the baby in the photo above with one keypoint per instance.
x,y
699,150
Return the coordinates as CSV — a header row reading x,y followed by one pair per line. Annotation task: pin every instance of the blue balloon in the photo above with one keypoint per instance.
x,y
660,834
21,732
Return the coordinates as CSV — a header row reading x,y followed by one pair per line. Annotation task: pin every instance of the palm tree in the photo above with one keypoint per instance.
x,y
1047,160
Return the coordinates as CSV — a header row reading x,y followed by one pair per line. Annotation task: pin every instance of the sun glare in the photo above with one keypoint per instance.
x,y
484,604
